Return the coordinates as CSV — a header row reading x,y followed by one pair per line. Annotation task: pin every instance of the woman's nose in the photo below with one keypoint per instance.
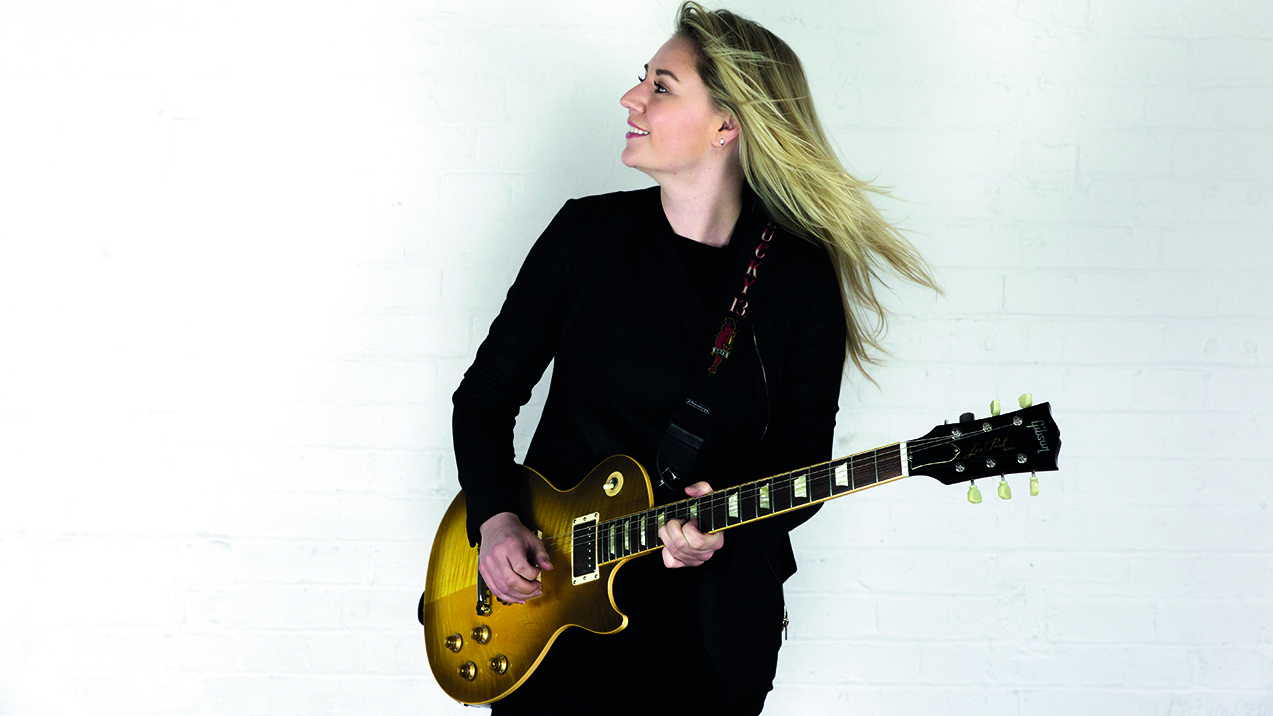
x,y
632,99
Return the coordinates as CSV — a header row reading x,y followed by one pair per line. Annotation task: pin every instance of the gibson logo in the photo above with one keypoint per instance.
x,y
1040,434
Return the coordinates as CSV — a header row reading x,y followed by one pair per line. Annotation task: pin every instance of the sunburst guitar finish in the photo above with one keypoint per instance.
x,y
522,633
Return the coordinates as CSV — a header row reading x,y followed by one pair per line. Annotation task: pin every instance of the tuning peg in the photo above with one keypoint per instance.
x,y
1026,400
967,418
1005,492
974,495
1034,484
994,407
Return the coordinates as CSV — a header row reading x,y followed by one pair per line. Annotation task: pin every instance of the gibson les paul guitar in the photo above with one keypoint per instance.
x,y
480,649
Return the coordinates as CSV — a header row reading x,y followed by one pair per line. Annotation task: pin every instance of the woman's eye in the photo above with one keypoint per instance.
x,y
659,88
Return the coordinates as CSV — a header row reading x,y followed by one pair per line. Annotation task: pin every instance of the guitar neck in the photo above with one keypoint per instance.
x,y
638,532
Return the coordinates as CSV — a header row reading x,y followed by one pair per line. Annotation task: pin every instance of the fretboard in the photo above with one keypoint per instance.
x,y
639,532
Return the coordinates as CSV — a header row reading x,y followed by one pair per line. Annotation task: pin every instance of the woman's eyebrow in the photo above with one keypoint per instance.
x,y
663,72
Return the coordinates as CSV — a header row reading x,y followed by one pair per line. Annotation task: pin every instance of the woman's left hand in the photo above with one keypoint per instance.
x,y
683,544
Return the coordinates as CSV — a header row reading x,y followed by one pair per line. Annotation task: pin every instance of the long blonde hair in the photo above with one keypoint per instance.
x,y
787,160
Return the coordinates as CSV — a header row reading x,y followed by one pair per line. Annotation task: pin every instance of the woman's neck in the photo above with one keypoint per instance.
x,y
705,214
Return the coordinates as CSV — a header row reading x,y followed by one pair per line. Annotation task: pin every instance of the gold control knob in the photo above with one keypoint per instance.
x,y
499,664
454,642
481,634
468,671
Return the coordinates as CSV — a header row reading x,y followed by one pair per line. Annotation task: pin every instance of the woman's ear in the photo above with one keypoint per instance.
x,y
728,130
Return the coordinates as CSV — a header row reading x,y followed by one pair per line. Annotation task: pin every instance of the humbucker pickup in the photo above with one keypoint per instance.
x,y
583,549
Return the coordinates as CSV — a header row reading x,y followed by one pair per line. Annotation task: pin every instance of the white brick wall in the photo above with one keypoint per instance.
x,y
247,250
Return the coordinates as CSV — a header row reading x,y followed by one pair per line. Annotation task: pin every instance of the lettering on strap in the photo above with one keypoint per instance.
x,y
738,306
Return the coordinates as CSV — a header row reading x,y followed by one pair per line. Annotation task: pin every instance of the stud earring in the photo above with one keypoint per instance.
x,y
722,142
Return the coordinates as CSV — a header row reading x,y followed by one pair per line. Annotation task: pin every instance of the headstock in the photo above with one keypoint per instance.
x,y
1026,440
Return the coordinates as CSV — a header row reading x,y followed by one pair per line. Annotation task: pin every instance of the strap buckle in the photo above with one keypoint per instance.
x,y
676,456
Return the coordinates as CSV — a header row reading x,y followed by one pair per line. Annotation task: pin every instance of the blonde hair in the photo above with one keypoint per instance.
x,y
787,160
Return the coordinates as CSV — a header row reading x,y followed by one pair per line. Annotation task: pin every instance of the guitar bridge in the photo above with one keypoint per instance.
x,y
583,549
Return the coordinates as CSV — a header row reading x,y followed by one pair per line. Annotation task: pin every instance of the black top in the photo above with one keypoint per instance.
x,y
626,308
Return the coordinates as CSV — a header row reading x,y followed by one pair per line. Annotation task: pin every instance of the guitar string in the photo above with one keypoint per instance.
x,y
752,490
865,463
626,524
680,509
716,500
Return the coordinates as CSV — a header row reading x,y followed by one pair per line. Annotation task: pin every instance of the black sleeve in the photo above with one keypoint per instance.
x,y
511,360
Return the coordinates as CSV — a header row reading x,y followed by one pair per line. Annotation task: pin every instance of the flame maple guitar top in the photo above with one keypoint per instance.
x,y
522,633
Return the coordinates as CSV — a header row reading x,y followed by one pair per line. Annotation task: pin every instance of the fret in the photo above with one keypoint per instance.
x,y
895,455
674,511
669,513
842,483
718,509
819,484
619,534
886,463
864,477
781,494
680,511
890,463
707,513
800,489
612,543
732,514
638,534
748,497
766,503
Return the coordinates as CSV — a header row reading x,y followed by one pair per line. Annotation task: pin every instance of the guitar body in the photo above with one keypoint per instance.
x,y
522,633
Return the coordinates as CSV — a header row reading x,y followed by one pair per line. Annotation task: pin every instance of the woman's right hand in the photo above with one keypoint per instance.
x,y
510,559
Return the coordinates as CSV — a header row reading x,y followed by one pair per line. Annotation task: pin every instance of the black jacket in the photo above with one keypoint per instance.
x,y
626,308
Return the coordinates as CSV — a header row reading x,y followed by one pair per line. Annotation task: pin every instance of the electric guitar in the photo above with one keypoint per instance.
x,y
481,649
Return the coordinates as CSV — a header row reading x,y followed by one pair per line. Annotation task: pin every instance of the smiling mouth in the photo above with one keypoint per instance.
x,y
634,132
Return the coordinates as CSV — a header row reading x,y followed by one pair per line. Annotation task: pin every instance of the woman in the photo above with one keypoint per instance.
x,y
625,293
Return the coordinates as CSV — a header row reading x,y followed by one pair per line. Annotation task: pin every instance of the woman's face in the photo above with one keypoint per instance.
x,y
673,126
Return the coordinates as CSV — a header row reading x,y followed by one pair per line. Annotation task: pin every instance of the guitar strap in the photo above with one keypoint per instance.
x,y
688,428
